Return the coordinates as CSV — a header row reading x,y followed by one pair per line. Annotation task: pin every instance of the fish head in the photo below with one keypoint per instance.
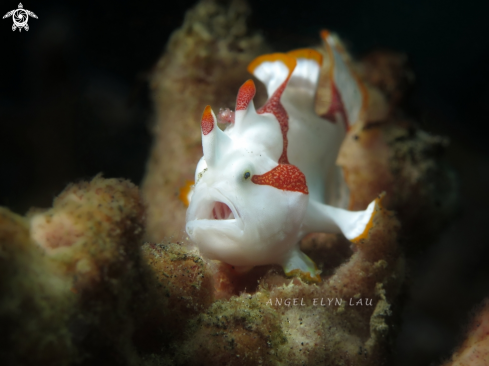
x,y
243,210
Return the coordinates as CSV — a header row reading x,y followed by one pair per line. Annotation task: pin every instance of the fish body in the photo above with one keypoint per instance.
x,y
270,177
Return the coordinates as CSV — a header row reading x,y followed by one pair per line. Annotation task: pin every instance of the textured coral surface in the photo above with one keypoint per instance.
x,y
66,274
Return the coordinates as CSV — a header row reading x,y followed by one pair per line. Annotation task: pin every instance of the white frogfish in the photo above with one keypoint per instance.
x,y
270,177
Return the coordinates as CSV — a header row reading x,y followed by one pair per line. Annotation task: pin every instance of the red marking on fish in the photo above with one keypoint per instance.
x,y
337,107
274,106
207,122
286,177
245,95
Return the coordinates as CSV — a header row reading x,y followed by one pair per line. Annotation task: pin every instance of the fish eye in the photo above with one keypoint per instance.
x,y
246,175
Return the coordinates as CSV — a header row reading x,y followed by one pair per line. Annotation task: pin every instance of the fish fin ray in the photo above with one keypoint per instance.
x,y
273,70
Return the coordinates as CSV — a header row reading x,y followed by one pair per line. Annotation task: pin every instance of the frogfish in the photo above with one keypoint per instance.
x,y
269,178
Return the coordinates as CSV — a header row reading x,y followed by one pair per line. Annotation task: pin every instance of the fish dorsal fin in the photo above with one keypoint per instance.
x,y
246,94
260,133
348,94
245,106
273,70
304,80
215,143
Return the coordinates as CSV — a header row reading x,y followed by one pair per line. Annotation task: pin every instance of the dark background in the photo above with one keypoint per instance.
x,y
74,101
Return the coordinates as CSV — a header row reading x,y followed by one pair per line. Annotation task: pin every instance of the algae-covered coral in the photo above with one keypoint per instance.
x,y
80,286
67,275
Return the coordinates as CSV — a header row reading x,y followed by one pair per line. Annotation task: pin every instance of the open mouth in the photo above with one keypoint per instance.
x,y
210,213
213,207
221,211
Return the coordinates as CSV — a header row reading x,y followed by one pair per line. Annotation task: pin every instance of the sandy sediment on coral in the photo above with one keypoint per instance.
x,y
204,63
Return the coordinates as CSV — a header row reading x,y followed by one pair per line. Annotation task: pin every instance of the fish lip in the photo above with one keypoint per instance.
x,y
217,196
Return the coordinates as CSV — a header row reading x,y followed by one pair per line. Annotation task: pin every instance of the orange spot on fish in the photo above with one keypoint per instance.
x,y
184,192
307,53
289,61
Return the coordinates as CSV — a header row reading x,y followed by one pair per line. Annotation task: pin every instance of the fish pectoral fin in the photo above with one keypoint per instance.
x,y
300,265
373,208
354,225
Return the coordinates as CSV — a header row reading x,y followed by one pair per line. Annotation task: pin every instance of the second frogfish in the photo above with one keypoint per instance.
x,y
270,177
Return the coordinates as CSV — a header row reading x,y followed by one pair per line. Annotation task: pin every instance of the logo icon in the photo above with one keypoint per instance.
x,y
20,17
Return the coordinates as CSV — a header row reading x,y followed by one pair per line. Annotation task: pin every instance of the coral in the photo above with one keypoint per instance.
x,y
177,286
403,161
68,274
33,300
388,77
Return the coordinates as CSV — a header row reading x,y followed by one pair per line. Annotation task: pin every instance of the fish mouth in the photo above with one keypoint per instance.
x,y
213,209
221,211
